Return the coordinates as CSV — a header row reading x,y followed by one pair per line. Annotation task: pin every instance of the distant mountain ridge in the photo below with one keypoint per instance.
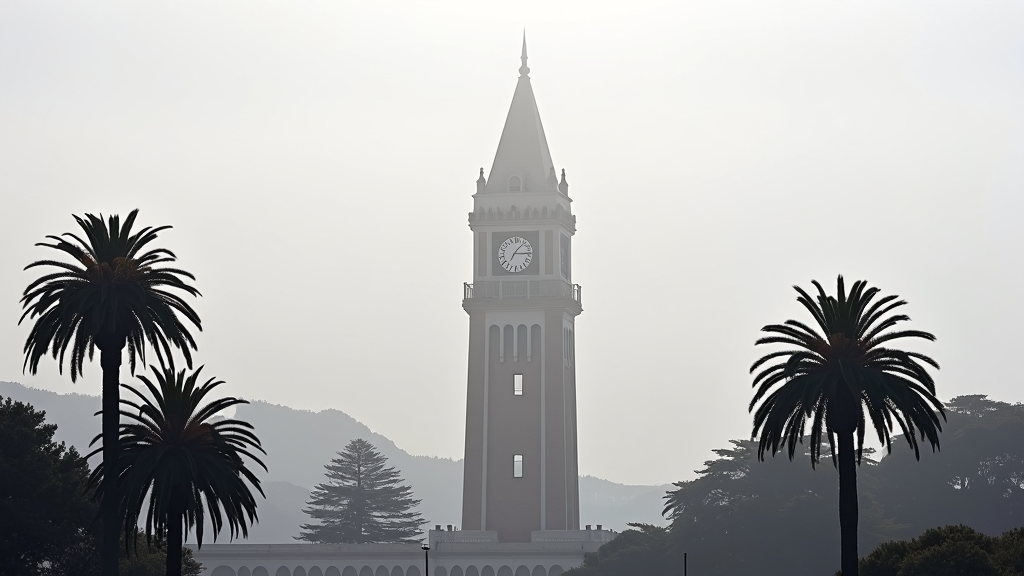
x,y
299,443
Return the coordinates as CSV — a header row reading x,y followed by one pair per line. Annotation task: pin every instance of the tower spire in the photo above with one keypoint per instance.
x,y
524,70
523,149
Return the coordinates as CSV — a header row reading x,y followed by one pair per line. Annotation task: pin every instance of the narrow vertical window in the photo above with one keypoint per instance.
x,y
517,466
515,184
517,383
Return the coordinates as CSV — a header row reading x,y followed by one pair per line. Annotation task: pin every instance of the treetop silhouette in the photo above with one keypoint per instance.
x,y
363,500
116,292
833,373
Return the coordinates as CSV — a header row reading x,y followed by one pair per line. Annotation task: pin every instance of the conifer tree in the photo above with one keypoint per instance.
x,y
363,500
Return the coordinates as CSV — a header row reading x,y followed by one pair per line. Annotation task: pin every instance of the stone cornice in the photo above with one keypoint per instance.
x,y
525,215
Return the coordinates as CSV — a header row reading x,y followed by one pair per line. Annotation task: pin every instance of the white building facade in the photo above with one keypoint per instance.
x,y
451,553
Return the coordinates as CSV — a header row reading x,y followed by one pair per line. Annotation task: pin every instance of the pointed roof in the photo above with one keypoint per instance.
x,y
523,148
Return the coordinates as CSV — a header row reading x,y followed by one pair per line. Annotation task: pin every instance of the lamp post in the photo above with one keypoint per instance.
x,y
426,559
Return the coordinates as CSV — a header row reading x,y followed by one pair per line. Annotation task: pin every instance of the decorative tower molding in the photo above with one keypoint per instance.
x,y
481,182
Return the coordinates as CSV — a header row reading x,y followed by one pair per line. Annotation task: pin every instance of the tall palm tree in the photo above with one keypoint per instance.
x,y
835,376
116,292
174,453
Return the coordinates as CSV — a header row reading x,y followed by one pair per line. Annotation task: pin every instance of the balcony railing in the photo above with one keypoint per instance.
x,y
523,290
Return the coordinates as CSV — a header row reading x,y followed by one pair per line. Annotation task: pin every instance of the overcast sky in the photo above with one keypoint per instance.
x,y
718,153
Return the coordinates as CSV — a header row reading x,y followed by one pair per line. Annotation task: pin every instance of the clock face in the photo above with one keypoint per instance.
x,y
515,254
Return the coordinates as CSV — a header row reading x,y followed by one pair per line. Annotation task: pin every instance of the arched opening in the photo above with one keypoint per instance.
x,y
440,571
522,571
508,334
515,184
521,341
223,571
244,571
555,570
366,571
472,571
504,571
260,571
397,571
332,571
539,570
456,571
316,571
282,571
349,571
494,342
381,571
299,571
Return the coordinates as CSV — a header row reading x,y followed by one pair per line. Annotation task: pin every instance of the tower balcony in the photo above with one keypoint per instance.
x,y
523,290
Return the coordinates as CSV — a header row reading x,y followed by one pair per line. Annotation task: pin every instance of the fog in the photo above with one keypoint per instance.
x,y
717,154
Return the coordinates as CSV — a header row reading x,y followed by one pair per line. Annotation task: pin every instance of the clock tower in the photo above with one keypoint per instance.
x,y
521,464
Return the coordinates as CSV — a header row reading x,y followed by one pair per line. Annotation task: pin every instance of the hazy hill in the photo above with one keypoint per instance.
x,y
300,442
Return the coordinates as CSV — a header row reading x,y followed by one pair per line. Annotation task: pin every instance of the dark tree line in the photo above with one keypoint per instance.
x,y
977,479
48,521
949,551
742,516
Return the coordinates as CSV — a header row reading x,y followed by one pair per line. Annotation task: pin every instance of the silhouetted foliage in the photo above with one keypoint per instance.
x,y
43,504
113,294
150,559
174,454
977,479
81,557
645,549
830,376
46,514
363,500
949,551
743,516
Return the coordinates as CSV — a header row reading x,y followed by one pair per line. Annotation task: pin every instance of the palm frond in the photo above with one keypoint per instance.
x,y
111,294
174,454
847,376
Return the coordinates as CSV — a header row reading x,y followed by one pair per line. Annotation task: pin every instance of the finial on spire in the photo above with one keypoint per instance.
x,y
481,182
563,186
524,70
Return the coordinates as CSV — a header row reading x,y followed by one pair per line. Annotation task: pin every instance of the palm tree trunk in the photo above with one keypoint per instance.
x,y
175,521
110,362
848,511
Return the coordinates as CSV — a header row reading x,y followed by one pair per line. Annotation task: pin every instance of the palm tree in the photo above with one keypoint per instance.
x,y
177,456
115,293
832,378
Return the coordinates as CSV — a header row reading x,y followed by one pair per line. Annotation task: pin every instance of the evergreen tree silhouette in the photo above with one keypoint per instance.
x,y
362,501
